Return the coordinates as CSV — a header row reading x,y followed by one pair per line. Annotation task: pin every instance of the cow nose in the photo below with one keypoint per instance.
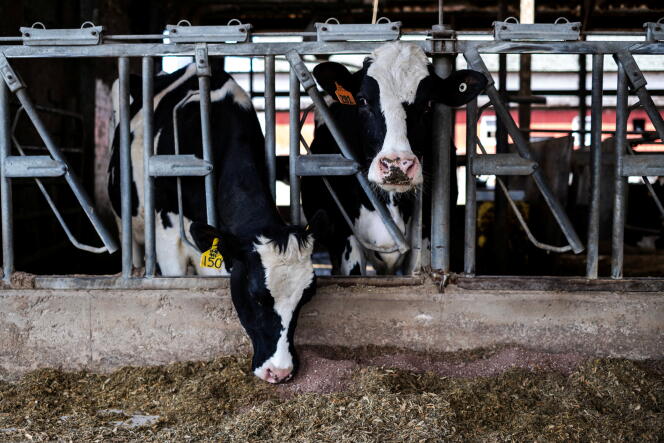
x,y
278,375
399,166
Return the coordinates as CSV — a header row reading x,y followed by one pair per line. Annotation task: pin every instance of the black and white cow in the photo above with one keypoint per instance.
x,y
272,274
388,123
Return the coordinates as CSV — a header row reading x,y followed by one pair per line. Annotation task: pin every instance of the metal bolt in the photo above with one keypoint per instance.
x,y
323,28
173,31
27,34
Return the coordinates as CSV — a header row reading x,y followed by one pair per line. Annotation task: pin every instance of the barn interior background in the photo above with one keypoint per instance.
x,y
549,96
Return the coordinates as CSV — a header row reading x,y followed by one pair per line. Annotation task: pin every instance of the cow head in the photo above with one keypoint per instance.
x,y
272,276
394,93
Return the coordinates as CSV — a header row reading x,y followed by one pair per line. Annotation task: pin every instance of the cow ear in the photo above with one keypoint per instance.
x,y
319,225
331,75
460,87
204,236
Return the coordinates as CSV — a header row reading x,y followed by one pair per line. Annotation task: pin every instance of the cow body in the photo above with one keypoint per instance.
x,y
269,261
388,126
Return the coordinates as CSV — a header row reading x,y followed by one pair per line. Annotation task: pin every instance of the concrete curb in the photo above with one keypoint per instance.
x,y
102,329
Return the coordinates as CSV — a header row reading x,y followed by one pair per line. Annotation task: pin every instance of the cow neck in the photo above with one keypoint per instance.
x,y
246,206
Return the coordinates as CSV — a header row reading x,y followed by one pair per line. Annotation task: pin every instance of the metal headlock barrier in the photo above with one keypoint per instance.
x,y
236,39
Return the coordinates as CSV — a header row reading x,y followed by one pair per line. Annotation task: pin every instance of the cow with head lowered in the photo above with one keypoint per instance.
x,y
385,111
269,261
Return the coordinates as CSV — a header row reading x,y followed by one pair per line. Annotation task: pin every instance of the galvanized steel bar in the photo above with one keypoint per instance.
x,y
270,125
303,75
470,230
148,152
449,47
618,234
125,167
5,187
592,258
440,194
294,138
475,61
204,72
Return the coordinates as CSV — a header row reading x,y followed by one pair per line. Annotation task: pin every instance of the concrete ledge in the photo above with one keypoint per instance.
x,y
101,329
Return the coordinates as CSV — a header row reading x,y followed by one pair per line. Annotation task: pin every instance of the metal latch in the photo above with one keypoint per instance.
x,y
325,164
654,30
382,30
183,32
178,165
38,35
561,29
503,164
33,166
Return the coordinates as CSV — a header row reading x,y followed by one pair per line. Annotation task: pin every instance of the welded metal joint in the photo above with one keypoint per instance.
x,y
634,74
472,55
303,75
12,79
202,60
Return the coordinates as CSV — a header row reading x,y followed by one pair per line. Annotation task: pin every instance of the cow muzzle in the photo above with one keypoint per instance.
x,y
396,172
275,375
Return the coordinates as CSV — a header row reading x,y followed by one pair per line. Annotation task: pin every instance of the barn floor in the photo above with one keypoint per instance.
x,y
370,394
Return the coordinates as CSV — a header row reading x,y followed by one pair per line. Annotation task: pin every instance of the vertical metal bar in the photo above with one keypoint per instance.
x,y
5,186
270,125
148,152
470,230
125,167
596,166
441,148
583,93
415,256
294,126
617,253
206,134
500,243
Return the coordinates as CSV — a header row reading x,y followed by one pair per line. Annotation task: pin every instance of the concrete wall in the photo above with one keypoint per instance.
x,y
101,329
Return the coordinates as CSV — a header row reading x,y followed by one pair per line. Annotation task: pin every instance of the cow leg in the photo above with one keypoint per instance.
x,y
353,261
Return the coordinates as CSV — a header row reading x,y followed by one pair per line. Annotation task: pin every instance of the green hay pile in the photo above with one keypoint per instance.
x,y
221,400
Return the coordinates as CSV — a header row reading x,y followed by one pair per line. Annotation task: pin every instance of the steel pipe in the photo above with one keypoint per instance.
x,y
294,153
125,167
470,227
148,152
619,203
592,260
270,125
204,74
6,187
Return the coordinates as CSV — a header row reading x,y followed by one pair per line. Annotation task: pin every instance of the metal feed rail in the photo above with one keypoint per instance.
x,y
442,45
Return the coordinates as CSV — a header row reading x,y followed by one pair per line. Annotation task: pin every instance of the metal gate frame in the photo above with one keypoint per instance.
x,y
442,49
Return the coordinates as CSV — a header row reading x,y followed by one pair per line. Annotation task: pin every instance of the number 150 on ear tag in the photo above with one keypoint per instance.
x,y
212,258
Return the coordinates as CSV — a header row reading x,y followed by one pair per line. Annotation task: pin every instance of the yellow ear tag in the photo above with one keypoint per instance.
x,y
212,258
344,97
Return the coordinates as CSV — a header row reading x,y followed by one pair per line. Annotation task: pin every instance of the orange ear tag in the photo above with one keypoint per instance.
x,y
212,258
343,95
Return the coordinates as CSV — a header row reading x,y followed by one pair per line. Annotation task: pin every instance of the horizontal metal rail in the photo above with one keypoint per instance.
x,y
432,47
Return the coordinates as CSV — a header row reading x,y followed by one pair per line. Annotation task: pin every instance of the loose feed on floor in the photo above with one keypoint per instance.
x,y
374,394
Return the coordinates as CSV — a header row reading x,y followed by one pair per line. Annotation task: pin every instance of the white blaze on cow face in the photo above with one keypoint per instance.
x,y
287,274
398,69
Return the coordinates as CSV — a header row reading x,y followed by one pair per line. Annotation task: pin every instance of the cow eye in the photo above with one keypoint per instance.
x,y
362,101
463,87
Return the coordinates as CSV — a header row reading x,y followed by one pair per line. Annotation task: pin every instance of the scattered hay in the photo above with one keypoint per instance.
x,y
221,400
